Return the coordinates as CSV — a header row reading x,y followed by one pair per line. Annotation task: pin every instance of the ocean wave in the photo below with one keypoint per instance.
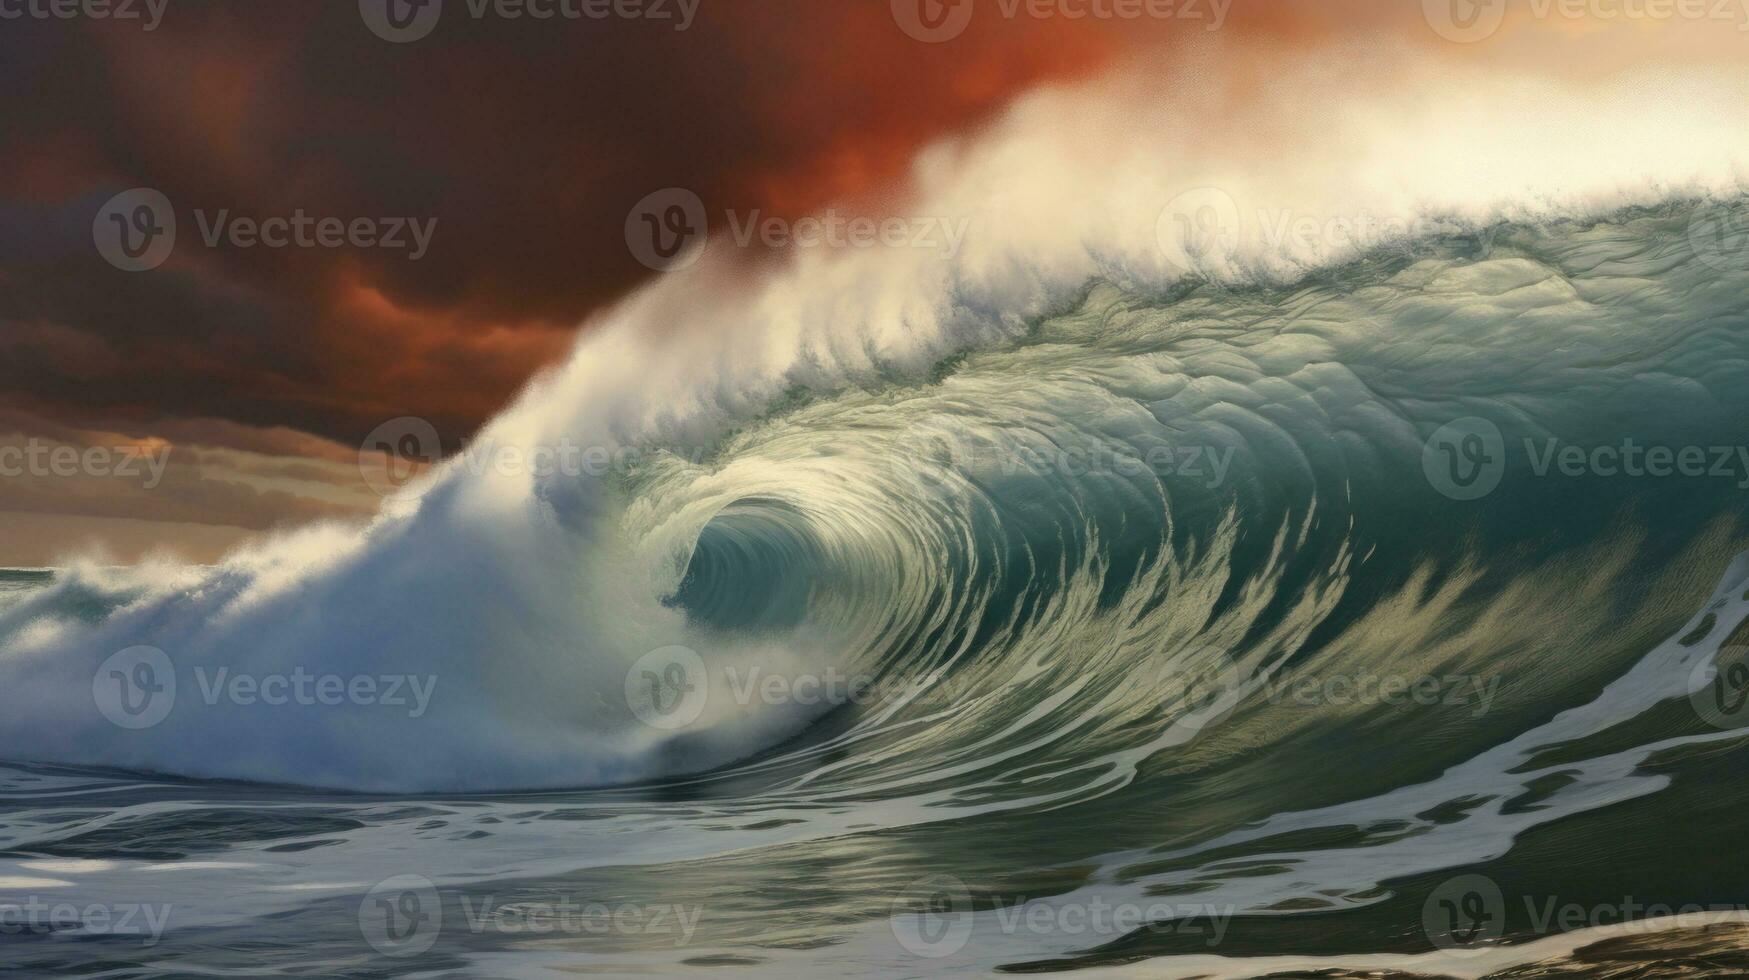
x,y
1106,515
1024,491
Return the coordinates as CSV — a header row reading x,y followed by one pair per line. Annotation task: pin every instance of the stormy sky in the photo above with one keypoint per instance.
x,y
452,187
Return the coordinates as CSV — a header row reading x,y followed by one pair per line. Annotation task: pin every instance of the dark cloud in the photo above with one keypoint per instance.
x,y
526,141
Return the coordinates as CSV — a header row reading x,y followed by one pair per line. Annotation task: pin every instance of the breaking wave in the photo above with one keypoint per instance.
x,y
1171,486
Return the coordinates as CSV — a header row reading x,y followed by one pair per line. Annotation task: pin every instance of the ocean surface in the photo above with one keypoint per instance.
x,y
1389,620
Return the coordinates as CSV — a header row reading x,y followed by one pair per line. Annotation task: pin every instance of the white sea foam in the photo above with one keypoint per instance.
x,y
528,599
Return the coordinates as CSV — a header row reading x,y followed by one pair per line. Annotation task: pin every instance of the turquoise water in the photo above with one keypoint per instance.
x,y
1233,621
